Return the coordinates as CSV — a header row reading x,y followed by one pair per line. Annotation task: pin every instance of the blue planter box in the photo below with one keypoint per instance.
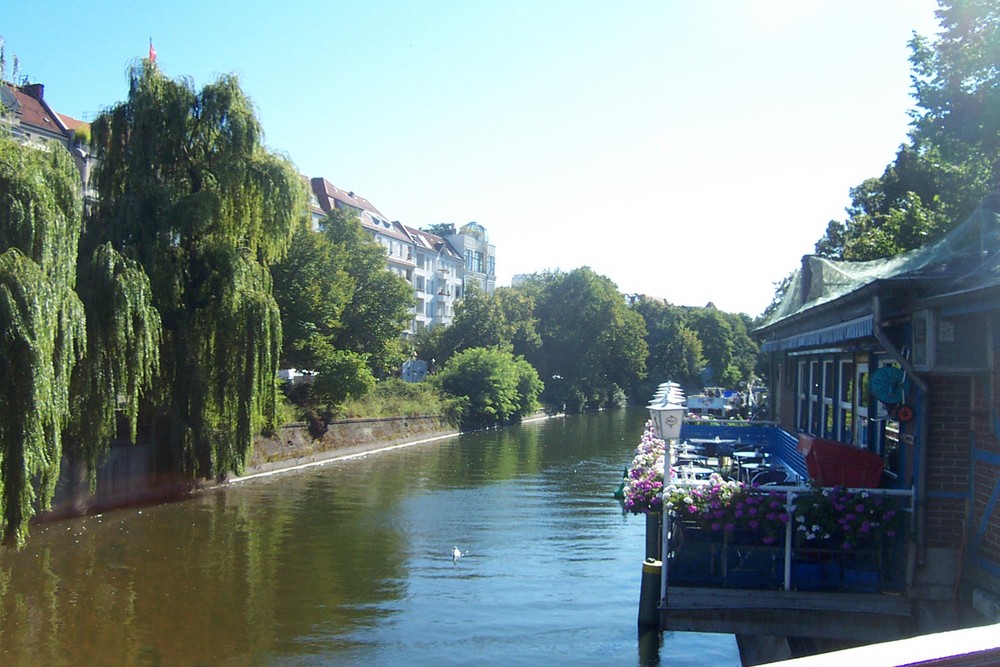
x,y
818,576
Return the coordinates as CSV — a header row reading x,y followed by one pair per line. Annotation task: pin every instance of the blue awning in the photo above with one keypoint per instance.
x,y
860,327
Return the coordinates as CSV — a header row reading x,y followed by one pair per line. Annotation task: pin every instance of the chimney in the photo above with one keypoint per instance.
x,y
36,90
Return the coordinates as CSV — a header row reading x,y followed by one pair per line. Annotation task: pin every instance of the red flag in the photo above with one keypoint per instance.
x,y
152,51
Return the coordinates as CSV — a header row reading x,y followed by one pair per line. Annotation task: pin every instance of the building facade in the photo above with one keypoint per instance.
x,y
898,358
439,269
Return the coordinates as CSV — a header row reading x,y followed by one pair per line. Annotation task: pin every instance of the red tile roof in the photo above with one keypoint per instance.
x,y
33,112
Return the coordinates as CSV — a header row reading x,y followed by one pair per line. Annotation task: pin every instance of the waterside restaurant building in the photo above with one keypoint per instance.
x,y
893,362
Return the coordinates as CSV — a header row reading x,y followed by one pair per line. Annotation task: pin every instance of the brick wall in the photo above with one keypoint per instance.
x,y
948,459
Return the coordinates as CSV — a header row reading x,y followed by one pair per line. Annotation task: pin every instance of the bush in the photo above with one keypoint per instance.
x,y
498,387
394,398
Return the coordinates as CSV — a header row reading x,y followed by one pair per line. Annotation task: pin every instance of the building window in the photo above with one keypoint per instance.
x,y
829,386
801,405
492,265
845,403
861,401
815,392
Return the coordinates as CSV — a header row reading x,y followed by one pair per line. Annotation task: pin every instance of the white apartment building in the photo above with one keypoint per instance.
x,y
439,269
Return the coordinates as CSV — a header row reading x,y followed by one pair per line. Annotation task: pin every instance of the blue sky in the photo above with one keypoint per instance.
x,y
688,150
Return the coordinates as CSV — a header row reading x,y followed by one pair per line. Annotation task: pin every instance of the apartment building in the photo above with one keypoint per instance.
x,y
439,269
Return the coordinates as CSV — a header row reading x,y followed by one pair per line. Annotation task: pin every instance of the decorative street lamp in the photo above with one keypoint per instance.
x,y
667,411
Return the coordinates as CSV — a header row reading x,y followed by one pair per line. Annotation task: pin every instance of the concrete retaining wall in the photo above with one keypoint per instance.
x,y
128,477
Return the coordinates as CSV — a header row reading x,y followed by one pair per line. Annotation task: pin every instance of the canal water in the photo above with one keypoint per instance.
x,y
351,563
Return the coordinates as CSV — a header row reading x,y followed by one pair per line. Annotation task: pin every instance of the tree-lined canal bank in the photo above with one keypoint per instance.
x,y
351,563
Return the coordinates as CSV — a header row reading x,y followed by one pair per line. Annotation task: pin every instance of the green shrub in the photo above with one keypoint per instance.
x,y
394,398
497,387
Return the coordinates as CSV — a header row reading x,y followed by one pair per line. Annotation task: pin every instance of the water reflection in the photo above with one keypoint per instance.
x,y
351,563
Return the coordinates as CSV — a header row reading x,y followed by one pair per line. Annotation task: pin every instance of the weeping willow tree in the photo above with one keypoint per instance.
x,y
122,353
185,188
42,330
78,340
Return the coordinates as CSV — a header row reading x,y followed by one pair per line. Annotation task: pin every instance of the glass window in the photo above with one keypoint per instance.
x,y
829,395
815,387
861,415
801,404
845,404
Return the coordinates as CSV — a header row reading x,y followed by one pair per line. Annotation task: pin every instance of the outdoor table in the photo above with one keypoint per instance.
x,y
693,472
739,456
748,470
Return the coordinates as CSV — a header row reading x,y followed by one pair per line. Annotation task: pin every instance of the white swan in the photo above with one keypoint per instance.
x,y
456,553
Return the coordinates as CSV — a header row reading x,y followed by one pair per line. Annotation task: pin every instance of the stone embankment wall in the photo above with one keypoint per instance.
x,y
128,477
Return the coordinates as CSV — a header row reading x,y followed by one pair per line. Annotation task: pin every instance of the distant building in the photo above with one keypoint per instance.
x,y
473,244
32,121
439,269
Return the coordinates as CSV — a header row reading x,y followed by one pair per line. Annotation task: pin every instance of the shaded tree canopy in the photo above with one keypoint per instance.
x,y
495,386
504,319
343,311
675,350
442,229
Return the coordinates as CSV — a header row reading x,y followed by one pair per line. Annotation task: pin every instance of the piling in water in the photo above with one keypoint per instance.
x,y
649,594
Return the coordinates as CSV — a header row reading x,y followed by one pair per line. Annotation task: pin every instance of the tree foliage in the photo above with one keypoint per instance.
x,y
377,310
442,229
675,350
593,348
312,287
42,325
495,386
951,158
186,189
122,356
503,319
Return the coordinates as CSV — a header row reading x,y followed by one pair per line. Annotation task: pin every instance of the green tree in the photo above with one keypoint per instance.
x,y
496,387
718,346
503,319
186,188
442,229
593,346
42,324
312,288
479,322
950,160
675,351
79,334
378,310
